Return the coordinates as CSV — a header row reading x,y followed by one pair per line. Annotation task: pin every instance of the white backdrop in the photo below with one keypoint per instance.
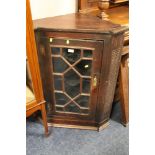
x,y
49,8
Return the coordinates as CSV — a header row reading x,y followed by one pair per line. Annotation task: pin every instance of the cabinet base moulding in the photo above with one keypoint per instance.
x,y
79,126
105,125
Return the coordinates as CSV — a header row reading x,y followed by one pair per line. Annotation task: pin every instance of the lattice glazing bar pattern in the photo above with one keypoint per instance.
x,y
72,72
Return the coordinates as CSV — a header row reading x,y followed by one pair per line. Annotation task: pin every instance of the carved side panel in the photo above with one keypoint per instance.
x,y
44,63
116,45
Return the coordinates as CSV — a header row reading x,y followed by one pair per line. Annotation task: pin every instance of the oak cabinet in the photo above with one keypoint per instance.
x,y
79,58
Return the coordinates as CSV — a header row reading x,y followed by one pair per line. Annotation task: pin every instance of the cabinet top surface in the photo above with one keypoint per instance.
x,y
76,22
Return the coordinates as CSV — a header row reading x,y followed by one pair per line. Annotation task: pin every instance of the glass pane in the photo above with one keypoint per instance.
x,y
57,82
59,65
84,67
72,79
72,108
55,50
87,53
61,98
83,101
71,55
86,85
59,108
72,83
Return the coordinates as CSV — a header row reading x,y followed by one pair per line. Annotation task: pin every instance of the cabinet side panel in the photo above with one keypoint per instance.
x,y
109,73
45,68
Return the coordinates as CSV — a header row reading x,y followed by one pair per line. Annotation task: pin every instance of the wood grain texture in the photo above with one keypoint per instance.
x,y
77,23
32,56
81,32
111,59
118,13
38,103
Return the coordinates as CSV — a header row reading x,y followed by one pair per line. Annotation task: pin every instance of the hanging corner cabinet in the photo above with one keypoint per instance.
x,y
79,58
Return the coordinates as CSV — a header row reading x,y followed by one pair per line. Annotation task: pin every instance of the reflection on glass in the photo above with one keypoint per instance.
x,y
57,82
87,53
72,108
55,50
83,101
86,85
71,79
59,65
72,83
61,99
84,67
71,55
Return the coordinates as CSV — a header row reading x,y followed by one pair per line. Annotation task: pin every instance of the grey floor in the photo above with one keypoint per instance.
x,y
113,140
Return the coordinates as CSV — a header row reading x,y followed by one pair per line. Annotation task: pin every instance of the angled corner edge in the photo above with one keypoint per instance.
x,y
119,30
103,126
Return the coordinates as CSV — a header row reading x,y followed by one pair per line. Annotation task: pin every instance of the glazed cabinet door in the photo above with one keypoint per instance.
x,y
71,71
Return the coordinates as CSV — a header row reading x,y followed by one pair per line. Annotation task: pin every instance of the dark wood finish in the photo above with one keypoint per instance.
x,y
38,103
77,23
118,13
77,31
